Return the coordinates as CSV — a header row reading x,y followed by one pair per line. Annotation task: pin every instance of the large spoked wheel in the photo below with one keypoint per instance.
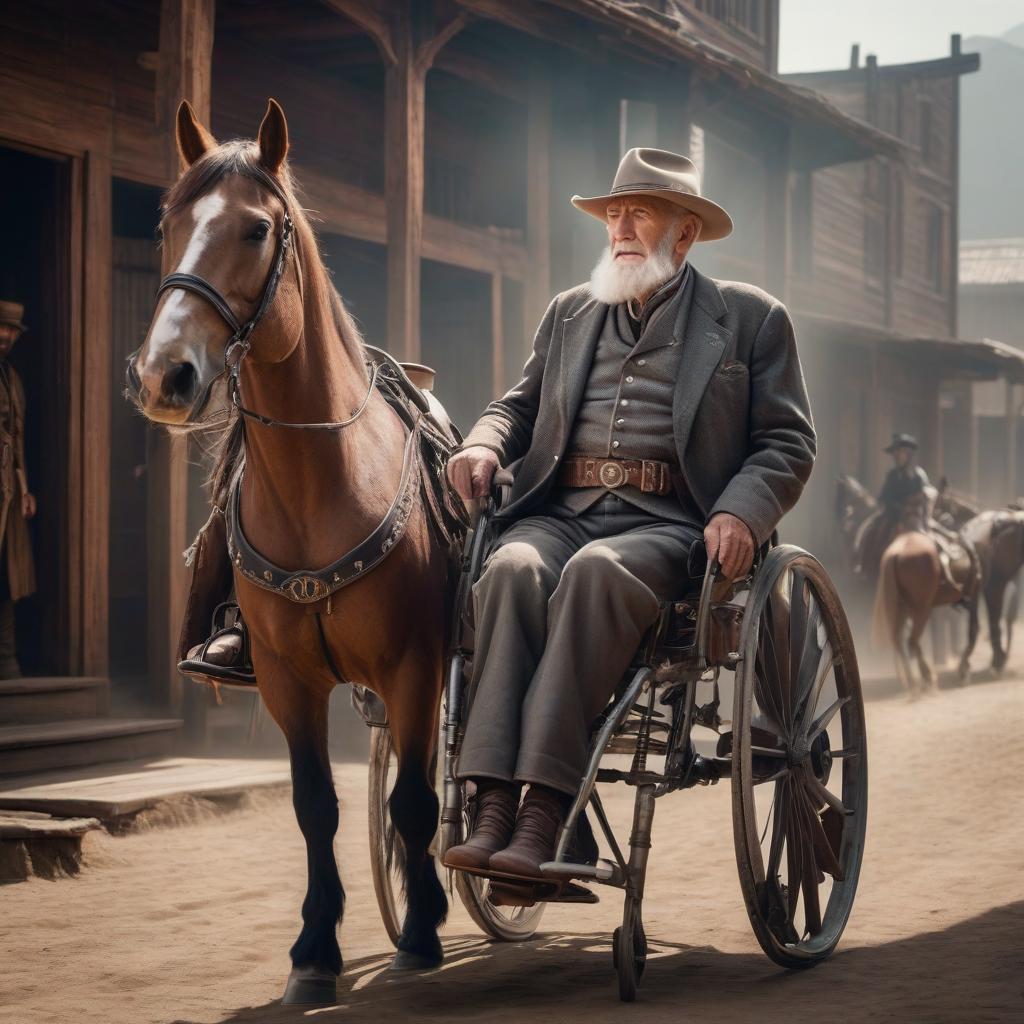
x,y
510,924
799,761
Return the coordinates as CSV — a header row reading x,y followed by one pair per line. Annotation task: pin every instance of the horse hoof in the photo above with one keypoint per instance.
x,y
407,961
310,986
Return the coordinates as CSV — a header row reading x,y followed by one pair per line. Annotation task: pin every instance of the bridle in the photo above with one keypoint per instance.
x,y
238,345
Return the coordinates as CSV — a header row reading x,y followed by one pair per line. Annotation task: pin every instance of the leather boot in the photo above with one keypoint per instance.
x,y
9,667
496,803
536,833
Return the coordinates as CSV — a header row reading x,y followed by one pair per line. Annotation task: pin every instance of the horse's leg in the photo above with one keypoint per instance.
x,y
972,639
301,712
412,705
994,606
919,619
903,669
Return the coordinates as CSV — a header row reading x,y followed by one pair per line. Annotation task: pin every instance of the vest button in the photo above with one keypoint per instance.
x,y
641,362
625,401
615,444
629,380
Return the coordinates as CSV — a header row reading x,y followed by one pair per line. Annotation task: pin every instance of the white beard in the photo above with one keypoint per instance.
x,y
612,283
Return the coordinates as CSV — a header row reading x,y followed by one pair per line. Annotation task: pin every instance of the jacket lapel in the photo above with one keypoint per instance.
x,y
579,342
704,342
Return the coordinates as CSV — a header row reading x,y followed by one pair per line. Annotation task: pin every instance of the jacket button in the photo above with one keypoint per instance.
x,y
619,421
629,380
615,444
625,401
641,362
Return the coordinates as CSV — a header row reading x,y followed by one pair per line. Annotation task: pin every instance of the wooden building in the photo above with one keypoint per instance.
x,y
438,144
873,286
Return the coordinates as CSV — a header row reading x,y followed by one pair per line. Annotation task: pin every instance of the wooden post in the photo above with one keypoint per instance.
x,y
1011,442
184,72
537,286
409,48
93,427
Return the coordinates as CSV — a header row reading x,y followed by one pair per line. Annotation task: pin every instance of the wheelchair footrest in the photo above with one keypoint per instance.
x,y
526,894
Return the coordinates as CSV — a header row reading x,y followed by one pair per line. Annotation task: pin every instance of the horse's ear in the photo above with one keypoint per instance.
x,y
193,139
273,137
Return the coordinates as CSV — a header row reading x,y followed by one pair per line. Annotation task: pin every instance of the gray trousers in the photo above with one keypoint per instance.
x,y
560,610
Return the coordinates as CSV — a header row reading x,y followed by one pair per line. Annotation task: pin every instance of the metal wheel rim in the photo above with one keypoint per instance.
x,y
820,930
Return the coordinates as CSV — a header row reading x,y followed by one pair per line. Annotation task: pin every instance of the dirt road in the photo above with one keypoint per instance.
x,y
193,923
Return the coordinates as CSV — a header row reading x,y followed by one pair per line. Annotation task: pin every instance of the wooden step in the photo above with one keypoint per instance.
x,y
53,698
38,746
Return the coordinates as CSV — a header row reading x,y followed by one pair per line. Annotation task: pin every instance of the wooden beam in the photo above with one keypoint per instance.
x,y
537,290
184,68
370,18
184,71
416,42
777,217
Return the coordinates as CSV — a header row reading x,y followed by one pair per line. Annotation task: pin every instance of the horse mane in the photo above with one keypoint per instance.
x,y
323,306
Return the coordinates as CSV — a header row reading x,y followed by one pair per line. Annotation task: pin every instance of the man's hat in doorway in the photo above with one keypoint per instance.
x,y
656,172
901,441
11,313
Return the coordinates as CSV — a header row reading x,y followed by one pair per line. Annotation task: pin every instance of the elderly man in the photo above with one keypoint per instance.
x,y
659,408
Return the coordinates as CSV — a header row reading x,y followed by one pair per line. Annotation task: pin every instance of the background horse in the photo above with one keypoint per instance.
x,y
999,540
910,584
307,497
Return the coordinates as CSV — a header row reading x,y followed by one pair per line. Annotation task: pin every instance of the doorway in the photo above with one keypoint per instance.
x,y
35,271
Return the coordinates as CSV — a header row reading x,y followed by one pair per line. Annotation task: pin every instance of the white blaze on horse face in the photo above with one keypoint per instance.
x,y
204,212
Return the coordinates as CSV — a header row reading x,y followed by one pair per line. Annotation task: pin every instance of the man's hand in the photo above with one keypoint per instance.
x,y
28,505
470,472
731,541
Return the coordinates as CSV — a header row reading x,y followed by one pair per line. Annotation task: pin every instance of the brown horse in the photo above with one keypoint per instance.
x,y
307,496
910,584
998,537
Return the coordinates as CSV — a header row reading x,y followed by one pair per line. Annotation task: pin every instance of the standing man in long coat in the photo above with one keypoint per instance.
x,y
17,503
659,409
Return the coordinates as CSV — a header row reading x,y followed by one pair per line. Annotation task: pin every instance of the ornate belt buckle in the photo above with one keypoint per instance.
x,y
612,475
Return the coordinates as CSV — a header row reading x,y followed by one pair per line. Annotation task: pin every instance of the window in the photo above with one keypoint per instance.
x,y
874,248
896,216
746,15
935,255
801,205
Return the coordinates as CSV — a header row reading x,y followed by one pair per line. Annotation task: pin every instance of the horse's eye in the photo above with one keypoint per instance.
x,y
259,233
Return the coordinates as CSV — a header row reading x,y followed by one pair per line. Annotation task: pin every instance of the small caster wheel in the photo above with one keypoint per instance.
x,y
629,951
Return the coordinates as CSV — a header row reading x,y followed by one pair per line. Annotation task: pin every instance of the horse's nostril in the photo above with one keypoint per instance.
x,y
181,382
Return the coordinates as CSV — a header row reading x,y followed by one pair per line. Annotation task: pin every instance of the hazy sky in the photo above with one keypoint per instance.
x,y
817,34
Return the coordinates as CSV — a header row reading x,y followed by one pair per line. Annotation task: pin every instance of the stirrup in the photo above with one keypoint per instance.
x,y
226,620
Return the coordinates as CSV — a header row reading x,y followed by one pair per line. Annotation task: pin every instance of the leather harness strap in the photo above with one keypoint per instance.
x,y
646,475
306,586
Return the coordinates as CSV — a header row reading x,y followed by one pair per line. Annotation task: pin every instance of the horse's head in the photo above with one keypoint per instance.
x,y
223,226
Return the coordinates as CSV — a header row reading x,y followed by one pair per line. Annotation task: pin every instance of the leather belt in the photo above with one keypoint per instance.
x,y
646,475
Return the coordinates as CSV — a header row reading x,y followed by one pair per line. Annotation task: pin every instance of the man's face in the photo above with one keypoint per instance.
x,y
637,226
902,456
8,336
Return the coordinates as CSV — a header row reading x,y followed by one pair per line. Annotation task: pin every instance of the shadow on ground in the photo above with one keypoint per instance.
x,y
971,971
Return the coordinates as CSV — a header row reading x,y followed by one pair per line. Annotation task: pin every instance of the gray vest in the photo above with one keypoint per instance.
x,y
626,410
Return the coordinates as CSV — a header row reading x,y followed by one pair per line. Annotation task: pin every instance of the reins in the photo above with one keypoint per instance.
x,y
238,345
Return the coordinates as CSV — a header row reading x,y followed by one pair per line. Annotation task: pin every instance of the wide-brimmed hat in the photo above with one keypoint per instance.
x,y
656,172
11,313
901,441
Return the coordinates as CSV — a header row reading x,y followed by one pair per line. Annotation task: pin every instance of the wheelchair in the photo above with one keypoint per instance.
x,y
794,752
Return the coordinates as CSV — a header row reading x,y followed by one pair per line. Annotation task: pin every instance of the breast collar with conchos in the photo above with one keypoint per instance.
x,y
307,586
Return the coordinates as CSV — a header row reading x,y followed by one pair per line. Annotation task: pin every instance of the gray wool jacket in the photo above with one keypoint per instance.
x,y
741,418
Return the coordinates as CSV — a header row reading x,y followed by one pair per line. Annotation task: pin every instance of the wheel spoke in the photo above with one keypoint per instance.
x,y
803,633
825,857
780,805
767,684
820,724
810,673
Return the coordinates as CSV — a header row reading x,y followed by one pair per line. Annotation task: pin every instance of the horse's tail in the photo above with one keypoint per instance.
x,y
886,618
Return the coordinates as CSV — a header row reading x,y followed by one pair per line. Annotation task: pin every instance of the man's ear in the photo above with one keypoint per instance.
x,y
273,137
193,139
